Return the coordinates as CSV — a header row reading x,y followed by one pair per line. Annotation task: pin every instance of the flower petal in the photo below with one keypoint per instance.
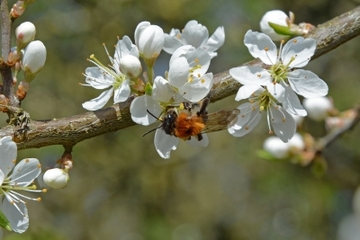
x,y
139,110
283,123
195,34
307,84
261,46
250,75
286,96
99,102
178,72
97,78
216,40
298,51
198,88
164,143
122,93
25,172
125,47
8,150
19,221
162,90
246,91
172,42
247,120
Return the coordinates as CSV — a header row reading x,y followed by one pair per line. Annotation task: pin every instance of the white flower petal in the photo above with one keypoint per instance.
x,y
8,150
164,143
286,96
178,72
246,91
122,93
25,172
180,52
199,60
97,78
247,120
198,88
261,46
139,110
125,47
139,28
250,75
99,102
307,84
162,90
195,34
216,40
172,42
298,51
18,222
283,123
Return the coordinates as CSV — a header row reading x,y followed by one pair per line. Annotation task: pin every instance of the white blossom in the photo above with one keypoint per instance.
x,y
279,120
283,73
15,179
111,78
196,35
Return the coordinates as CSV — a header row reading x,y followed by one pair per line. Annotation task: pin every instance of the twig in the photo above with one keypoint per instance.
x,y
71,130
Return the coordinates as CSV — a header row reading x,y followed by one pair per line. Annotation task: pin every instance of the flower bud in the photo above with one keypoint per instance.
x,y
56,178
277,148
277,17
33,59
25,33
130,66
149,39
318,108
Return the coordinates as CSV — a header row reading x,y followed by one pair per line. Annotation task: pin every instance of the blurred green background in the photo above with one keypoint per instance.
x,y
121,189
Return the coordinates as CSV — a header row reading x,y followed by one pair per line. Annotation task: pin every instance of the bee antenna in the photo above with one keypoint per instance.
x,y
153,115
151,131
153,128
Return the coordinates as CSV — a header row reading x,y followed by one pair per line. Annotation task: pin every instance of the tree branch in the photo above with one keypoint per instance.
x,y
71,130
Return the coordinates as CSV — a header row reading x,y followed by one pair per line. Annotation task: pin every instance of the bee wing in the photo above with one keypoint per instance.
x,y
220,120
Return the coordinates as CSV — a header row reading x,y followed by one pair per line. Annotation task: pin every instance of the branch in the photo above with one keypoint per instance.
x,y
71,130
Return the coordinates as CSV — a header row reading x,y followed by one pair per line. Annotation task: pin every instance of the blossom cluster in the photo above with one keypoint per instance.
x,y
272,88
187,78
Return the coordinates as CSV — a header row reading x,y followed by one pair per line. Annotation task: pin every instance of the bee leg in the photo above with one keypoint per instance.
x,y
203,106
199,137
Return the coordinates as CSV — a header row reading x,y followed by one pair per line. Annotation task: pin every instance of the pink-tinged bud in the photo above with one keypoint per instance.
x,y
25,33
13,57
56,178
33,59
130,66
18,9
22,90
149,39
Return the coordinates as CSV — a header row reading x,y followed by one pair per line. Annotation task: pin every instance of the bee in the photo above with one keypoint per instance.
x,y
186,121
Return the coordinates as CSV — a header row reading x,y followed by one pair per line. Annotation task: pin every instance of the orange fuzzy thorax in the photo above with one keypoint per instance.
x,y
187,126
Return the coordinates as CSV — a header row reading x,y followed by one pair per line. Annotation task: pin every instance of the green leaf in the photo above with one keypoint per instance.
x,y
4,222
279,29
